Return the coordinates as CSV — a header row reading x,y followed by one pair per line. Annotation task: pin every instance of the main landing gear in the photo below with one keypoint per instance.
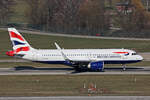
x,y
80,68
124,67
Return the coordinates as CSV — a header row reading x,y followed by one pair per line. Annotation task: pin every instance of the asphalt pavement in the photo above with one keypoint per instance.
x,y
79,98
25,70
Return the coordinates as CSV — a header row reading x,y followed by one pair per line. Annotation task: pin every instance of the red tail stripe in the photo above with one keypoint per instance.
x,y
11,53
22,49
14,35
121,52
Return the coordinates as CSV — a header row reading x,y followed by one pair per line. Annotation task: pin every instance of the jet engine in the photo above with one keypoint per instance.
x,y
96,66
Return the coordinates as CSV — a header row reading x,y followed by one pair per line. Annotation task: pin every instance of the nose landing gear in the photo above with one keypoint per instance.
x,y
124,67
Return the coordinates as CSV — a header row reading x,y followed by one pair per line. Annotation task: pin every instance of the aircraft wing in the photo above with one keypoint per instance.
x,y
66,58
75,63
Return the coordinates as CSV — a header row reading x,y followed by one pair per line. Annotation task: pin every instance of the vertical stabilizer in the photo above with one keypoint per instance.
x,y
17,39
18,42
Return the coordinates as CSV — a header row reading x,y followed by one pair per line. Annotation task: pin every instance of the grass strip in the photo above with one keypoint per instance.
x,y
131,85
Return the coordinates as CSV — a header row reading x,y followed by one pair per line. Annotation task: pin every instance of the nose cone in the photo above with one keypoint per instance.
x,y
140,58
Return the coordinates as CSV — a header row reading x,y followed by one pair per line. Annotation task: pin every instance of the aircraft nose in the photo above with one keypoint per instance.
x,y
140,57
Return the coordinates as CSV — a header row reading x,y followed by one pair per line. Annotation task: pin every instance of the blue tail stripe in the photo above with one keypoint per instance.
x,y
18,43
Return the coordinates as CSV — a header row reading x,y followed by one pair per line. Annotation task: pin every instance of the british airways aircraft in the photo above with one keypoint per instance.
x,y
93,59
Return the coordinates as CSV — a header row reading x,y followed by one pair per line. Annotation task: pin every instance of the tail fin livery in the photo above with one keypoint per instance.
x,y
17,39
18,42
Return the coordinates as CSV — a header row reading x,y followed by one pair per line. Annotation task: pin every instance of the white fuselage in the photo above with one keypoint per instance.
x,y
88,55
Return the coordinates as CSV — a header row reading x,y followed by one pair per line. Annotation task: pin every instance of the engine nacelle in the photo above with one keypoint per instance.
x,y
96,66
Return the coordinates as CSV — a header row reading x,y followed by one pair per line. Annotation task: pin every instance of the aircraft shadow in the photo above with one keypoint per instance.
x,y
21,68
41,69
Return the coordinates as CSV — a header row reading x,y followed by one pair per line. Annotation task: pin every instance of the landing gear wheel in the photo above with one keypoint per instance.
x,y
124,67
77,69
81,69
102,70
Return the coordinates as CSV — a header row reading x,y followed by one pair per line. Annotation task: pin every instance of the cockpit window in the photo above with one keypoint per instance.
x,y
134,54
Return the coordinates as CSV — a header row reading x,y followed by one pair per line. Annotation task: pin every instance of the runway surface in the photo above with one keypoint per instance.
x,y
70,71
79,98
13,60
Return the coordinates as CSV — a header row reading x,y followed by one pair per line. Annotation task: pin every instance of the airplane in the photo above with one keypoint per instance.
x,y
80,59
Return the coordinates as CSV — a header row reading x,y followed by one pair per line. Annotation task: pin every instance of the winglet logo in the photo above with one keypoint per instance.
x,y
14,35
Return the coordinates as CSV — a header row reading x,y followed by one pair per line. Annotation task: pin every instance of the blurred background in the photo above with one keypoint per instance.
x,y
116,18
